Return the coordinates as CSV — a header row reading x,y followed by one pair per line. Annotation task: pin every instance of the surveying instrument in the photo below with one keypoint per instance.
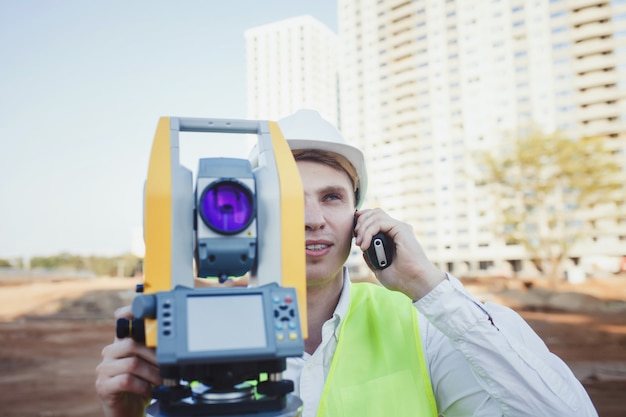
x,y
221,351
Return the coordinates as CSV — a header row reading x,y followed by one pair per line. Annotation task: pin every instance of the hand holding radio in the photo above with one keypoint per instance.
x,y
380,252
392,251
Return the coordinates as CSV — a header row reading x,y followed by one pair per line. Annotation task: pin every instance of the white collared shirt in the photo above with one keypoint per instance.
x,y
483,359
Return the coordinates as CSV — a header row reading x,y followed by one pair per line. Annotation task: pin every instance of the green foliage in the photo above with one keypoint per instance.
x,y
4,262
124,265
545,188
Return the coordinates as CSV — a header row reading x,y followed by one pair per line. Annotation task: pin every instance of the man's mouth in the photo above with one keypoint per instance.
x,y
318,246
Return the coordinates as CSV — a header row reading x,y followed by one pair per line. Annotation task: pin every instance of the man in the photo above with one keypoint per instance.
x,y
425,348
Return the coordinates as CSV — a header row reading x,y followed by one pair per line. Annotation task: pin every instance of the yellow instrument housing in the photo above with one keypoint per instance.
x,y
169,207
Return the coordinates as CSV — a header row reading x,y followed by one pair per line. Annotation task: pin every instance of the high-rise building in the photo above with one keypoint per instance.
x,y
424,84
589,47
291,64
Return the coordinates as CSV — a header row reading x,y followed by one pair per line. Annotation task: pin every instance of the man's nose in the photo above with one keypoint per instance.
x,y
313,216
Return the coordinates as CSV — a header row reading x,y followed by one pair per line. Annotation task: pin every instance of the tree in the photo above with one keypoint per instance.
x,y
545,187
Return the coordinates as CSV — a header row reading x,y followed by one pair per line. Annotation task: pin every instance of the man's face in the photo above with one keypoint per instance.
x,y
329,212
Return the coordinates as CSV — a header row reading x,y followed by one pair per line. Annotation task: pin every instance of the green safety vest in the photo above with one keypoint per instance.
x,y
379,367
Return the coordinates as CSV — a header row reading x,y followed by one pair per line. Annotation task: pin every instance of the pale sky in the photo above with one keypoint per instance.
x,y
82,86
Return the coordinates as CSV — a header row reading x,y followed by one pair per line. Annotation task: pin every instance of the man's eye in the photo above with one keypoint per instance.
x,y
332,197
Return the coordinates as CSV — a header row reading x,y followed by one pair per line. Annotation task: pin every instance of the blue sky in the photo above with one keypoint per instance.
x,y
82,86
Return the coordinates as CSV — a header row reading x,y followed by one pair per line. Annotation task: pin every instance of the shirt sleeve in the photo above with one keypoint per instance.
x,y
485,360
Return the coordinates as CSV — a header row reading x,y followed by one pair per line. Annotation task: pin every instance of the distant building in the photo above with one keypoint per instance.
x,y
423,84
291,64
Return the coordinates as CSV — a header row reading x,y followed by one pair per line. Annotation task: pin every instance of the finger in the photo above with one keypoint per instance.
x,y
370,223
360,226
134,366
125,312
124,348
122,384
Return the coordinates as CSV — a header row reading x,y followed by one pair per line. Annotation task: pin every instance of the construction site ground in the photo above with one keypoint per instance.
x,y
52,334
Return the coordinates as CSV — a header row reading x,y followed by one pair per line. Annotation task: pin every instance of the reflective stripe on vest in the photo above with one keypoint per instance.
x,y
379,367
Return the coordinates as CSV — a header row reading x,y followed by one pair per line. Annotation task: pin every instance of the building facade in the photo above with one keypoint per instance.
x,y
425,84
291,64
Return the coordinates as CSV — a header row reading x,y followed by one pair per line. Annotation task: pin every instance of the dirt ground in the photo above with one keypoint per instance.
x,y
52,333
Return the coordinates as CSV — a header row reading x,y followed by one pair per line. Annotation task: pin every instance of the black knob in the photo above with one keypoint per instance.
x,y
130,328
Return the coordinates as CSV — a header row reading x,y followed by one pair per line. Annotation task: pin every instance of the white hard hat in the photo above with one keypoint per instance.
x,y
306,129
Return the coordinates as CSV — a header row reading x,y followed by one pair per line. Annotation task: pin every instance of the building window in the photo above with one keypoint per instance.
x,y
560,45
484,265
558,14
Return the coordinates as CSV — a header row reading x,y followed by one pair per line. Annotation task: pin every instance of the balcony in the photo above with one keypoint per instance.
x,y
600,127
402,10
599,111
579,4
397,36
592,46
403,78
595,79
597,95
594,62
406,118
590,14
592,30
401,52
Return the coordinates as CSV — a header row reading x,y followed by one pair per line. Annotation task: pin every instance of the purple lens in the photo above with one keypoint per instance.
x,y
227,207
